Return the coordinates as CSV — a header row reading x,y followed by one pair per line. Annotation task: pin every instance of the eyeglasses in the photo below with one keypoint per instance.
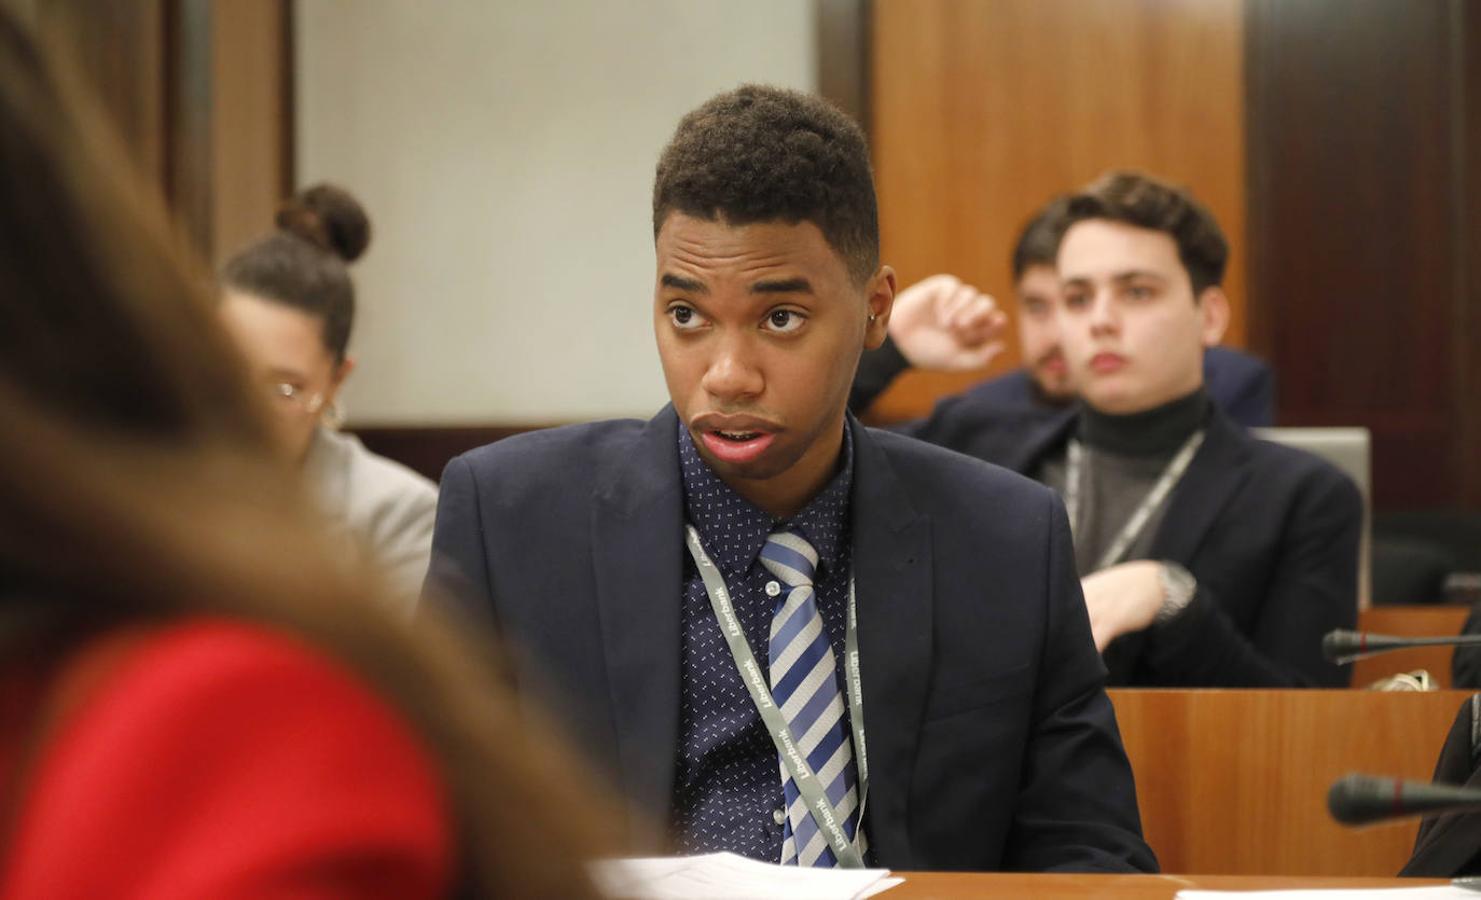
x,y
309,403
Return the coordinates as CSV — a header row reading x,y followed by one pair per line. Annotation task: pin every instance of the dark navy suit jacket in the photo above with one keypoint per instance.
x,y
1270,532
991,741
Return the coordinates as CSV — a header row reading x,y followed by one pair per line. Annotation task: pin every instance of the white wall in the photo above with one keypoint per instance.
x,y
505,153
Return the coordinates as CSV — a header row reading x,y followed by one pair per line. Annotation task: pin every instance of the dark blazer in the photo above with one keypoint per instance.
x,y
1241,385
991,742
1449,846
1270,532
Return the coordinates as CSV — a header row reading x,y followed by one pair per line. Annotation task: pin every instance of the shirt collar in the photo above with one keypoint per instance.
x,y
734,530
1153,432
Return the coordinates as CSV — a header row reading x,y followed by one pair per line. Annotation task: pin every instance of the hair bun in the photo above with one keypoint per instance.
x,y
329,218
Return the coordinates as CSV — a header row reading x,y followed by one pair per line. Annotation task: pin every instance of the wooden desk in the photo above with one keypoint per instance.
x,y
1409,621
1235,782
958,886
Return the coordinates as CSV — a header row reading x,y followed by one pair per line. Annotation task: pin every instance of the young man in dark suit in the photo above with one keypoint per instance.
x,y
729,602
1209,558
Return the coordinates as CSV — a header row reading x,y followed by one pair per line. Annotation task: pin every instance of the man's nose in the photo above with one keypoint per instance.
x,y
733,373
1103,316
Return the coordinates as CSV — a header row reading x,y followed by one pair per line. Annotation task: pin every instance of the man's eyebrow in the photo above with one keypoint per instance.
x,y
783,286
1135,274
680,283
1129,275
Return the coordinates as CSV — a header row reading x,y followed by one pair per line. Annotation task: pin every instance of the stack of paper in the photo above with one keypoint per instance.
x,y
726,876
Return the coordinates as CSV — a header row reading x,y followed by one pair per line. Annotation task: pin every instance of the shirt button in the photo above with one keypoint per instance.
x,y
778,816
772,589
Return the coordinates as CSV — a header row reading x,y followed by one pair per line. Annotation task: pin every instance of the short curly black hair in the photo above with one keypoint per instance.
x,y
1144,201
766,154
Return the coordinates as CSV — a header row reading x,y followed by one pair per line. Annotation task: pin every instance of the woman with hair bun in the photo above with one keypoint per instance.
x,y
290,303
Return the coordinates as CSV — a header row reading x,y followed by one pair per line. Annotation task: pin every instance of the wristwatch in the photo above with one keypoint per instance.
x,y
1178,587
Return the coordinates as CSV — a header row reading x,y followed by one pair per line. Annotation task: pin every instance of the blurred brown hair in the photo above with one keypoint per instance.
x,y
138,484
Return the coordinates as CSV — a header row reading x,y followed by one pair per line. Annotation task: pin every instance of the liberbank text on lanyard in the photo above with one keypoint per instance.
x,y
808,784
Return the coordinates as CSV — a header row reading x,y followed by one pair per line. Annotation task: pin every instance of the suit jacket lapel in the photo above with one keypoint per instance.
x,y
891,550
637,539
1216,472
1037,438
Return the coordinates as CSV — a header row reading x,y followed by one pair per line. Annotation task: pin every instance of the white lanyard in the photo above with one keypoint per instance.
x,y
808,785
1138,521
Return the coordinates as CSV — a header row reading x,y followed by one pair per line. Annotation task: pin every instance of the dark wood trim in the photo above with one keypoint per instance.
x,y
428,449
845,37
1260,313
189,59
288,102
1465,28
1359,254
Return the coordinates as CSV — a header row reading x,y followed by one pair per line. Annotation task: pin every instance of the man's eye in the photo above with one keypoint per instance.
x,y
1140,292
685,318
784,321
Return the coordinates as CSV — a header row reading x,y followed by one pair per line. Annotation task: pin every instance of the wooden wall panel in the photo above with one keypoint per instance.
x,y
1465,29
1356,277
843,32
119,49
1410,621
200,93
984,109
1235,782
251,118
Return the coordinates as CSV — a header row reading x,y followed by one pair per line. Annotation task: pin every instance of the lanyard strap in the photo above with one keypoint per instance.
x,y
1138,521
808,785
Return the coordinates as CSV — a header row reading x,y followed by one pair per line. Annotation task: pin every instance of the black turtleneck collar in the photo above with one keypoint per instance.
x,y
1148,433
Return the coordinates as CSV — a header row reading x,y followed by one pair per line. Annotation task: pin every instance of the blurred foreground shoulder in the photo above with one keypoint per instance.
x,y
221,759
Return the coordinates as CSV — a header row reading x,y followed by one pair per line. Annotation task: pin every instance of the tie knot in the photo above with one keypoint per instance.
x,y
789,556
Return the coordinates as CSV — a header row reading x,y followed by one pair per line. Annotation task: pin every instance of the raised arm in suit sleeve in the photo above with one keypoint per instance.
x,y
1313,590
1241,385
877,369
458,573
1076,809
1252,402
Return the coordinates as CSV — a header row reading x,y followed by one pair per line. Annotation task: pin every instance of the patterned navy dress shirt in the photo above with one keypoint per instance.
x,y
728,783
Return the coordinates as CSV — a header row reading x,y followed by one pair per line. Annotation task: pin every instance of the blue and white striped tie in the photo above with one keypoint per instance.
x,y
804,683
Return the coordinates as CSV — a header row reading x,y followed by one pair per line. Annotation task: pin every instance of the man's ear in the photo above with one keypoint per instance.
x,y
1213,307
881,292
341,372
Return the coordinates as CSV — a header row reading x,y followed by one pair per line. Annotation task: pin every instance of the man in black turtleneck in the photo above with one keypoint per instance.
x,y
944,324
1207,557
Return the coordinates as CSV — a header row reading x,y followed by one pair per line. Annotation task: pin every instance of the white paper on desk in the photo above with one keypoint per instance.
x,y
1437,892
726,876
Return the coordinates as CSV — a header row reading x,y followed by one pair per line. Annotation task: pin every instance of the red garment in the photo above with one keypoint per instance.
x,y
222,760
